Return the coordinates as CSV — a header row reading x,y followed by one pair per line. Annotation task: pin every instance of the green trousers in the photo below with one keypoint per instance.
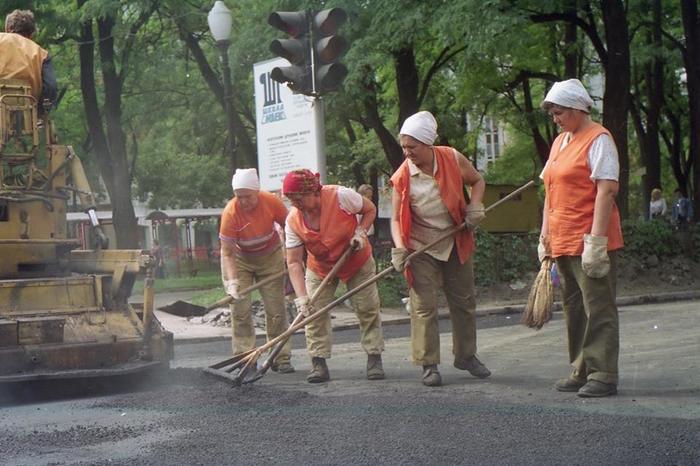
x,y
366,306
591,320
457,283
251,270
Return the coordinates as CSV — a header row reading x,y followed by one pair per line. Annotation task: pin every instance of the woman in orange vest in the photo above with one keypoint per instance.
x,y
324,222
581,231
427,200
251,251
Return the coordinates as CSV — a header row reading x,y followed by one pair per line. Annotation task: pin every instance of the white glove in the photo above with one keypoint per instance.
x,y
303,306
359,239
594,260
231,287
398,258
475,215
541,252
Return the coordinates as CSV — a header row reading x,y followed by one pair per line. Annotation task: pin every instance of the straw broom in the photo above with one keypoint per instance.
x,y
538,310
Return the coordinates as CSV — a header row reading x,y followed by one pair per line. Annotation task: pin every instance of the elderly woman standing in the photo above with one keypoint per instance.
x,y
428,200
581,231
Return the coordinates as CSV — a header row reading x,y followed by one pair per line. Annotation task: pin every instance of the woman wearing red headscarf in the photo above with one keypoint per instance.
x,y
324,222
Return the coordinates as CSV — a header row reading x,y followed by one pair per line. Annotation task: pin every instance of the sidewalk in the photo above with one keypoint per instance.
x,y
186,331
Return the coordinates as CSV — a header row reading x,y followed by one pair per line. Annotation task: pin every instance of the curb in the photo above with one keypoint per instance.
x,y
633,300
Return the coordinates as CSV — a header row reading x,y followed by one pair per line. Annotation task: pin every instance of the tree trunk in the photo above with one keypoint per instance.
x,y
406,83
617,89
541,144
691,28
246,150
109,148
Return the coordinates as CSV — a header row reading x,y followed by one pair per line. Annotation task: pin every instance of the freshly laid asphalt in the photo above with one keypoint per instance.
x,y
514,417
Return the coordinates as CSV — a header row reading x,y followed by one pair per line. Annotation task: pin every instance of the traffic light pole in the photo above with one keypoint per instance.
x,y
319,117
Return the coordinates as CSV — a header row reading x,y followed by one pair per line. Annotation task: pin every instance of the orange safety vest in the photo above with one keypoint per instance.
x,y
253,233
326,245
571,195
23,59
450,184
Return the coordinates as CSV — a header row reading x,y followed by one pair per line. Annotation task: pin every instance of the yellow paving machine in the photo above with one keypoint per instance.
x,y
64,311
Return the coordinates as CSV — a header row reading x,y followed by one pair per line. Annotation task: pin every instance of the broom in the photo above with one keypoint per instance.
x,y
538,310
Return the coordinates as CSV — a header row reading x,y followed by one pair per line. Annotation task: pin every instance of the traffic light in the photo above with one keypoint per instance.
x,y
297,50
328,48
314,50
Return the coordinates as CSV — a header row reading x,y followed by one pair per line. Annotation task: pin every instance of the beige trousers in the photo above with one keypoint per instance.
x,y
591,320
365,304
457,282
251,270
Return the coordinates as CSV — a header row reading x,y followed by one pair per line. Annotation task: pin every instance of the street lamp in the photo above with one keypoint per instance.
x,y
219,19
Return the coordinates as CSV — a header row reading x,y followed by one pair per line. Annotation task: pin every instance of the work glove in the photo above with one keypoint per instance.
x,y
359,239
232,288
303,306
594,260
543,250
475,215
398,258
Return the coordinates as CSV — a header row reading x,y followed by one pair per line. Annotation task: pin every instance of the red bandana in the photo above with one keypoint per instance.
x,y
301,181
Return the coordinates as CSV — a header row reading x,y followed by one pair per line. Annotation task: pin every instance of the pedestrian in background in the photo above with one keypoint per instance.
x,y
657,205
427,200
251,250
367,191
581,231
323,222
682,212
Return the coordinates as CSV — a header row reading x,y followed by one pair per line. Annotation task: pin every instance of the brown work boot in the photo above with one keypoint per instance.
x,y
474,366
597,389
282,368
569,384
375,371
319,371
431,376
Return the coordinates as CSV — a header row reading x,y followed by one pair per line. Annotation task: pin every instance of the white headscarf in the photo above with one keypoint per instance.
x,y
421,126
570,94
245,178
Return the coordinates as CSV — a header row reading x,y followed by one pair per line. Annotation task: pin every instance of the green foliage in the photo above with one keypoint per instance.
x,y
504,258
518,163
645,238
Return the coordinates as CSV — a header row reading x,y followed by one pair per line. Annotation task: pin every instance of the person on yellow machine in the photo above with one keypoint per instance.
x,y
324,222
23,59
251,251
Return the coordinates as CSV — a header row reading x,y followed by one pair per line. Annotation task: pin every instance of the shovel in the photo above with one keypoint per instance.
x,y
246,360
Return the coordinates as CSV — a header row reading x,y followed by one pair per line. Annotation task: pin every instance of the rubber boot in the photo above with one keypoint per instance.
x,y
319,371
375,371
282,368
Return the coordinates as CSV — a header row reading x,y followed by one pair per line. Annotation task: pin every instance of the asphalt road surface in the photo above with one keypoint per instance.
x,y
514,417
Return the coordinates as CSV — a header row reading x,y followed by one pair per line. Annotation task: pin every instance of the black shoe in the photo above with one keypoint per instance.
x,y
474,366
319,371
431,376
597,389
569,384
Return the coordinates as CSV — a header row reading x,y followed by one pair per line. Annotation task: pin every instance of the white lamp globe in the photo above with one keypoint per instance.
x,y
219,19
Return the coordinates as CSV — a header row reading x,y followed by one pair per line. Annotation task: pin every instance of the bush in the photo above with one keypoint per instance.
x,y
646,238
504,257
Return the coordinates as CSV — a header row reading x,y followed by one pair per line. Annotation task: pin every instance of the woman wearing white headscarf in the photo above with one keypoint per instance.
x,y
251,251
581,231
427,200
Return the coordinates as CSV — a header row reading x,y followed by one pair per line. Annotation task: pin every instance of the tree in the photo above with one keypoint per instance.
x,y
105,129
